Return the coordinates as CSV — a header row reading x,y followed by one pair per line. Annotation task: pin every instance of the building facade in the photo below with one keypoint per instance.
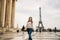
x,y
7,13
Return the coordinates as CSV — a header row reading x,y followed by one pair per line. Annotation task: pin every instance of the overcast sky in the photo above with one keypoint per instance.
x,y
50,10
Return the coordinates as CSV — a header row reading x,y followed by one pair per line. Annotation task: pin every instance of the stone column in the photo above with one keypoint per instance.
x,y
2,12
13,13
8,13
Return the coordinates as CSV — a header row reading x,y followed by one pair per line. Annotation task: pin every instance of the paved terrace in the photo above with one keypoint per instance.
x,y
35,36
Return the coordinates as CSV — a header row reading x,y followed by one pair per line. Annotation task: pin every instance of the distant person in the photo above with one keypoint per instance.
x,y
29,27
23,28
17,28
17,31
55,29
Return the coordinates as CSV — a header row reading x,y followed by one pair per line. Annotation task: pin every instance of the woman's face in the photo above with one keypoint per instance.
x,y
30,19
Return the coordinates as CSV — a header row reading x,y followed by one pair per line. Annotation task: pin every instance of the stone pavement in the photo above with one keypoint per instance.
x,y
35,36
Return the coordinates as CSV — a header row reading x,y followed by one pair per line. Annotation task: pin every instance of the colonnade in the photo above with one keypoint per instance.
x,y
7,13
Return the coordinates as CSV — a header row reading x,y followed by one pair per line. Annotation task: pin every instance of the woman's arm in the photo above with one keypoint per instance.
x,y
26,26
32,27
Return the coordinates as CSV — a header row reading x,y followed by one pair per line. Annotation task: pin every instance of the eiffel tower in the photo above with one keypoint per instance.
x,y
40,24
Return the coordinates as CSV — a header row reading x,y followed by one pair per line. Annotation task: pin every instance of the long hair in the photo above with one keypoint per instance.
x,y
30,20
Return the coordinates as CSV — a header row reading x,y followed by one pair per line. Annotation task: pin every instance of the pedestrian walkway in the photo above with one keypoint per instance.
x,y
35,36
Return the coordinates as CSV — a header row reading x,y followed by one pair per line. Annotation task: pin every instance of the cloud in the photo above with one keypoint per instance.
x,y
54,3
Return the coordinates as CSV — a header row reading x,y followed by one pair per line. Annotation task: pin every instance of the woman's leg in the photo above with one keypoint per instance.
x,y
30,36
30,32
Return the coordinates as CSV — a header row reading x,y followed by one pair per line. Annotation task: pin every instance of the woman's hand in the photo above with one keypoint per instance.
x,y
25,28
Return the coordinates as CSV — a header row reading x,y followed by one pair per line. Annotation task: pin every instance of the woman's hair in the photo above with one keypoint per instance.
x,y
30,20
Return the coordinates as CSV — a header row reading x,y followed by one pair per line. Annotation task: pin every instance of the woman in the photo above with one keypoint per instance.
x,y
29,27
